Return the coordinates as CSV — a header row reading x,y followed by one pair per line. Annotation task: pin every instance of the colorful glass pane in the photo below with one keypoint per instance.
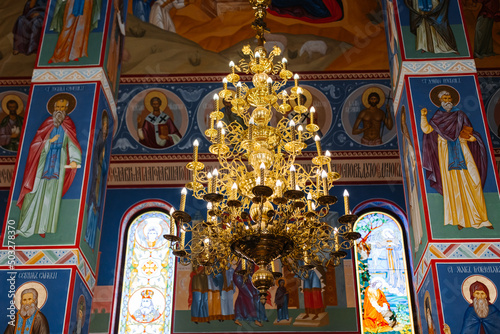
x,y
381,268
146,302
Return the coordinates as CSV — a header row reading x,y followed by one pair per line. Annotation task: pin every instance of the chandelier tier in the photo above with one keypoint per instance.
x,y
262,205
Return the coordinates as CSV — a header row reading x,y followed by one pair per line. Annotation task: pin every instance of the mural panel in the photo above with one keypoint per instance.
x,y
80,307
460,181
12,119
429,312
468,292
55,150
36,300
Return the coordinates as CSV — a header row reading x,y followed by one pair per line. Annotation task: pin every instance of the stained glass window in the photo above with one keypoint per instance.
x,y
383,285
148,281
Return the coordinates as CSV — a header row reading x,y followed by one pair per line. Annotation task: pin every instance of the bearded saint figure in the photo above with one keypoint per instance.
x,y
29,318
454,159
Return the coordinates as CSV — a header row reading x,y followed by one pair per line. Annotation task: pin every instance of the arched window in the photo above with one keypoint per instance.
x,y
146,304
381,268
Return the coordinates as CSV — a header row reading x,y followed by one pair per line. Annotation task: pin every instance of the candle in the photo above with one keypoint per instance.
x,y
238,90
325,185
301,129
336,234
329,164
318,144
209,177
284,62
346,201
278,188
231,64
195,149
219,132
318,185
183,199
216,102
296,79
244,264
224,83
183,236
269,86
292,126
222,136
299,95
172,221
292,177
251,123
257,58
309,202
262,170
215,174
312,110
233,190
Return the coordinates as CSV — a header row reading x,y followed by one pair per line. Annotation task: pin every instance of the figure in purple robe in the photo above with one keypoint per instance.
x,y
455,162
28,27
245,306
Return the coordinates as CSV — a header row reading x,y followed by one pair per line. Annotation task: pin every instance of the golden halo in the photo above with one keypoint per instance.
x,y
81,301
7,98
367,93
39,287
308,96
427,296
158,94
480,278
433,95
62,96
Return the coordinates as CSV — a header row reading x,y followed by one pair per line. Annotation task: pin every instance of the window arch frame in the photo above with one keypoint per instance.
x,y
126,221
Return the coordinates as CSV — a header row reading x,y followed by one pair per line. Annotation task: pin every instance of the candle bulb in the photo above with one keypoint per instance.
x,y
312,111
346,201
231,65
257,58
278,188
299,95
215,175
284,62
324,177
251,123
209,208
224,83
183,236
183,199
234,188
209,177
262,170
216,102
301,129
238,90
257,180
329,164
318,144
292,126
172,221
195,149
296,79
219,131
309,202
292,177
269,86
313,206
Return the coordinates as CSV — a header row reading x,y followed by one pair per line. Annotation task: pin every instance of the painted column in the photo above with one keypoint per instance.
x,y
449,171
54,213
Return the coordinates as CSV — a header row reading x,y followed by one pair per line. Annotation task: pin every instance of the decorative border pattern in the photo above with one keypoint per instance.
x,y
52,258
469,251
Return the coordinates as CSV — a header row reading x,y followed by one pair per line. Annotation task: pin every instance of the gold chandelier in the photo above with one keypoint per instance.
x,y
261,204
